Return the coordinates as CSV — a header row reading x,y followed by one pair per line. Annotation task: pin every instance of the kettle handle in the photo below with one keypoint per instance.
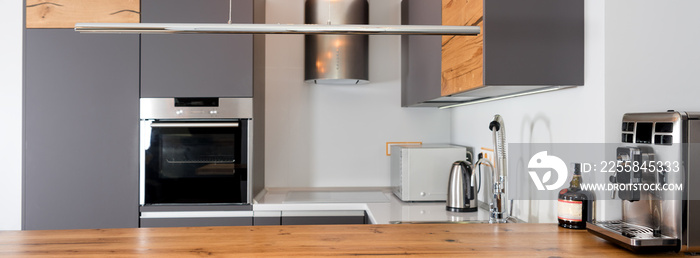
x,y
470,161
478,188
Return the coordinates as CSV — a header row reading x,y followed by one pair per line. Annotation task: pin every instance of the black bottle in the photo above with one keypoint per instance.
x,y
572,206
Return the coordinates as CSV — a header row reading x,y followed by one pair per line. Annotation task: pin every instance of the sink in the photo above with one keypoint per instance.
x,y
441,222
510,220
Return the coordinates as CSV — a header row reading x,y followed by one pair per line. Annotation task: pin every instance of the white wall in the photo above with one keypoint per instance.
x,y
324,136
11,17
566,116
652,61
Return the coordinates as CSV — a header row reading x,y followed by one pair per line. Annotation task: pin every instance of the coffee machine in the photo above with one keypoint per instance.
x,y
659,183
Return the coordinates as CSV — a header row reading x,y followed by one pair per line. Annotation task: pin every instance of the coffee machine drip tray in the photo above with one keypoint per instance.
x,y
632,237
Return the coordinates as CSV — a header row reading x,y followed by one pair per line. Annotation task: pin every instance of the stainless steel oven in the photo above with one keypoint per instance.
x,y
195,152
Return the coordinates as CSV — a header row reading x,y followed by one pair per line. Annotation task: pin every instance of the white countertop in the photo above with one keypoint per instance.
x,y
381,210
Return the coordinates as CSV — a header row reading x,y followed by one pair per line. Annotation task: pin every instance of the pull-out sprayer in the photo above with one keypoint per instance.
x,y
498,204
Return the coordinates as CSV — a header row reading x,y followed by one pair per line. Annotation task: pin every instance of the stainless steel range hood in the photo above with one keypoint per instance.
x,y
336,59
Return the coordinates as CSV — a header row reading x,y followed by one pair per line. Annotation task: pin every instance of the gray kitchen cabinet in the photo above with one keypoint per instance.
x,y
267,221
196,222
420,73
267,218
323,217
196,65
158,216
81,127
524,47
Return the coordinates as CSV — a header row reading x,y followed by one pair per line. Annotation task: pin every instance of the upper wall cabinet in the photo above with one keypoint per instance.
x,y
524,47
66,13
188,65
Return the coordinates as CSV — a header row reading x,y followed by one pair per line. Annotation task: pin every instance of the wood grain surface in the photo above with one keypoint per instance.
x,y
462,56
66,13
437,240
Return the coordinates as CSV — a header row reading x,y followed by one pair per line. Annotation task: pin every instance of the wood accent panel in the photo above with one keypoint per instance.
x,y
435,240
462,56
66,13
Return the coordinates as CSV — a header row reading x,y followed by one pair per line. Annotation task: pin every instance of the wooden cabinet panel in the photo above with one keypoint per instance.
x,y
65,13
462,56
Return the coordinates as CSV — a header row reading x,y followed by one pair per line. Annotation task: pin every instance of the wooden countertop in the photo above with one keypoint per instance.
x,y
503,240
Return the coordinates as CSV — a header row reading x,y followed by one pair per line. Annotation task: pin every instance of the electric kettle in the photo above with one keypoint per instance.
x,y
461,193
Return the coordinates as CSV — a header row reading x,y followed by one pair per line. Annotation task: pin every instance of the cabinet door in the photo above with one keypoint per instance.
x,y
81,128
462,66
64,14
421,54
157,216
267,218
196,222
323,217
267,221
323,220
196,65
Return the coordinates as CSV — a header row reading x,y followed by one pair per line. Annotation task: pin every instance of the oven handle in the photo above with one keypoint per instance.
x,y
194,124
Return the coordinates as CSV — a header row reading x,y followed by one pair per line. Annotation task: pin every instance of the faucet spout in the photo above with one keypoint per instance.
x,y
499,172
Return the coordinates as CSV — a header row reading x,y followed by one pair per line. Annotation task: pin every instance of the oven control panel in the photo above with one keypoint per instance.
x,y
193,108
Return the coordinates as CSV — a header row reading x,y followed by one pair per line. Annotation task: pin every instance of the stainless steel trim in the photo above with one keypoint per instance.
x,y
164,108
195,207
250,163
603,231
144,143
196,214
309,29
194,125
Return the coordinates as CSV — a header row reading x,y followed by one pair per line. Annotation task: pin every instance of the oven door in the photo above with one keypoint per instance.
x,y
194,162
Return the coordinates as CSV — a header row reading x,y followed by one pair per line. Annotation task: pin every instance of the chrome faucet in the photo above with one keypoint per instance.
x,y
497,206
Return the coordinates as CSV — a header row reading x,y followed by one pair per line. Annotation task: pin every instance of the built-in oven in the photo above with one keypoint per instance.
x,y
195,159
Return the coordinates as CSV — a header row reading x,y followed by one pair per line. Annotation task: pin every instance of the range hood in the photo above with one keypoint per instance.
x,y
336,59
